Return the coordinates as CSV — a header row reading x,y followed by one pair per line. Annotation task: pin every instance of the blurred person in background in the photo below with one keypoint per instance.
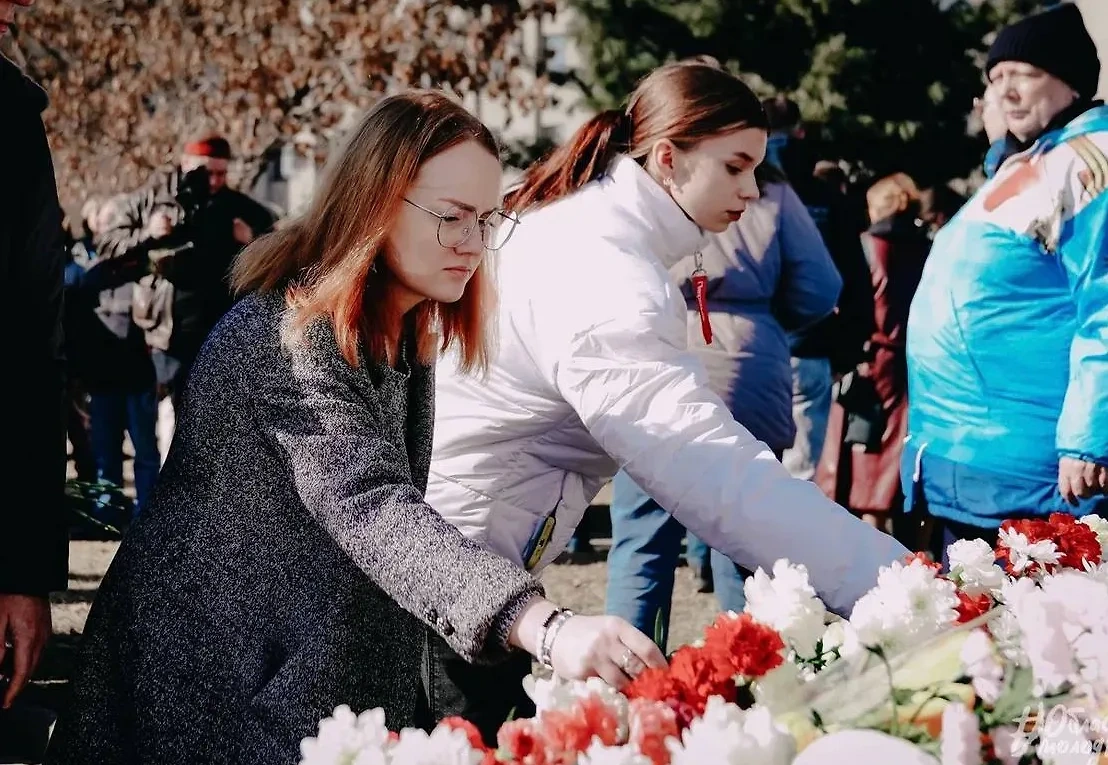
x,y
191,225
34,547
79,245
833,175
1007,373
768,273
118,373
831,347
937,206
860,466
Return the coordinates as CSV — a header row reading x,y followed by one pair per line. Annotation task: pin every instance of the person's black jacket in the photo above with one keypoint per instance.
x,y
842,336
34,545
199,274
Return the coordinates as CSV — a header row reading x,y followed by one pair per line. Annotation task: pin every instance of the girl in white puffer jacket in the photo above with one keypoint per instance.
x,y
593,371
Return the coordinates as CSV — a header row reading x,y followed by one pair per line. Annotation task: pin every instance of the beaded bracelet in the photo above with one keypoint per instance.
x,y
549,632
544,627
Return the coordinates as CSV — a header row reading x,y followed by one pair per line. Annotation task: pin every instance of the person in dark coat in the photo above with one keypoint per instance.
x,y
287,562
34,544
833,346
860,467
194,225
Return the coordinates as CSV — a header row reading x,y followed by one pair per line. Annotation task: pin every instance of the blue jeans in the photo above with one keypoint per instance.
x,y
137,413
698,554
646,543
811,410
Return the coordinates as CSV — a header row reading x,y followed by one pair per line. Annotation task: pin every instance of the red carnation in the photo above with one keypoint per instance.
x,y
651,724
1076,542
699,675
1035,530
969,608
566,734
465,726
522,742
653,684
745,646
600,719
683,712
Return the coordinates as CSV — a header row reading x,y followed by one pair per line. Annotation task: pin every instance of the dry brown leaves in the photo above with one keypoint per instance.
x,y
129,80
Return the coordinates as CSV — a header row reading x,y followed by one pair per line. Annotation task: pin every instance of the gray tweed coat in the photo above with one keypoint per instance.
x,y
286,564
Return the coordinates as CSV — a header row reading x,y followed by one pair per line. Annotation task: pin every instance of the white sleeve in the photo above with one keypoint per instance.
x,y
626,370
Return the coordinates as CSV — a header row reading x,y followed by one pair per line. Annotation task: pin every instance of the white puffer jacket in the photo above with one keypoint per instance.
x,y
592,374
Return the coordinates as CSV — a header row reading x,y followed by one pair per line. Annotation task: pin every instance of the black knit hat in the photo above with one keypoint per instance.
x,y
1055,41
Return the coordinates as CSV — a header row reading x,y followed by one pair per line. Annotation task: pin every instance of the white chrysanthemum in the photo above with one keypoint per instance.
x,y
973,566
960,741
1100,528
551,692
1043,638
1083,602
599,754
788,603
1099,572
834,635
980,662
445,746
345,739
909,605
1023,553
727,735
1005,629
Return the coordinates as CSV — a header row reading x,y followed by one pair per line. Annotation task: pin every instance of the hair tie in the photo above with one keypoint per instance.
x,y
623,128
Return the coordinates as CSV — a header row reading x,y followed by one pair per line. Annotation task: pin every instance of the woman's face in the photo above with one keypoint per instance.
x,y
426,256
714,180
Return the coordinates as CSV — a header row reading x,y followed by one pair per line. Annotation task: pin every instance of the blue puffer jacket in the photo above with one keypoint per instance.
x,y
1008,334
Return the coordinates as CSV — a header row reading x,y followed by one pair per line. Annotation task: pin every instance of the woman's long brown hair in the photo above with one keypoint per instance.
x,y
328,260
684,102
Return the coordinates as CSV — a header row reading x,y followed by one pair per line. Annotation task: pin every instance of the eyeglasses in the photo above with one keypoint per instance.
x,y
457,224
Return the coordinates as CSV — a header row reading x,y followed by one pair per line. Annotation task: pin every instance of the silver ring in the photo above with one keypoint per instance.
x,y
630,663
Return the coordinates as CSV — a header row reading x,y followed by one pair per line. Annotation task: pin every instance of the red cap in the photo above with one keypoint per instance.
x,y
211,146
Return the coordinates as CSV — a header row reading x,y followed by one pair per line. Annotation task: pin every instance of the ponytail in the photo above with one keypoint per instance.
x,y
583,159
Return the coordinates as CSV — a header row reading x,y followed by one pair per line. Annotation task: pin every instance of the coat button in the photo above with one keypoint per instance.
x,y
447,629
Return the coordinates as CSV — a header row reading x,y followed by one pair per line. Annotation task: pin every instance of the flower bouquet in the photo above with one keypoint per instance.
x,y
1003,660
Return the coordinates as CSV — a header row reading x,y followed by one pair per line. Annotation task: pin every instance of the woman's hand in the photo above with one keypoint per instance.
x,y
587,646
605,647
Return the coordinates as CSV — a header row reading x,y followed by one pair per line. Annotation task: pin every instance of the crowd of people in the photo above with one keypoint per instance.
x,y
381,441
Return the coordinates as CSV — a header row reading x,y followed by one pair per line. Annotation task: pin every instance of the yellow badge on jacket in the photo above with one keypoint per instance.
x,y
538,543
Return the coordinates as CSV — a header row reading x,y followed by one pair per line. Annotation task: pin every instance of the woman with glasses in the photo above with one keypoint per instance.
x,y
593,371
288,562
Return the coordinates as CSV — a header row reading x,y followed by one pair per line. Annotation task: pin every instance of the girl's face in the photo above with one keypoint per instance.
x,y
714,180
